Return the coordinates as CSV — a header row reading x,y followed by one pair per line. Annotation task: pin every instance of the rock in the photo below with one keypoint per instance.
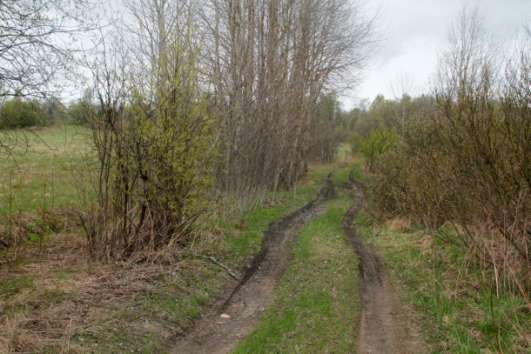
x,y
225,316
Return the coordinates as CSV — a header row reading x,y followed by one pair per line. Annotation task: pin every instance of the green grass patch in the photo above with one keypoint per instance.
x,y
44,169
243,236
316,307
459,309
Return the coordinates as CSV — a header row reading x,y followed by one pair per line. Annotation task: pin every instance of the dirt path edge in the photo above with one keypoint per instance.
x,y
385,326
236,314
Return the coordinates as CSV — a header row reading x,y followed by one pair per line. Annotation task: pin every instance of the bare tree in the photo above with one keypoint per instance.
x,y
35,38
269,62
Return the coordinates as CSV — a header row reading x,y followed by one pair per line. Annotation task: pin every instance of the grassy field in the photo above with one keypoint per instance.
x,y
44,169
458,306
316,308
54,300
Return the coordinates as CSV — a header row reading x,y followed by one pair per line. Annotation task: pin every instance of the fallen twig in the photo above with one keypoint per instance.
x,y
232,273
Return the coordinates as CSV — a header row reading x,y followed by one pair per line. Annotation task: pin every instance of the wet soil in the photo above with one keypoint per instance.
x,y
238,312
385,326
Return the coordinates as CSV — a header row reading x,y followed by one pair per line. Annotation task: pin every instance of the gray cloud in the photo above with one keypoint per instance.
x,y
413,32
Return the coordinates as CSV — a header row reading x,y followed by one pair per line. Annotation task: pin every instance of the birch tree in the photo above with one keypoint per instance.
x,y
269,62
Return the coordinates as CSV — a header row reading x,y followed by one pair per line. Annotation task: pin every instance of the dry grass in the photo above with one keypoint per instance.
x,y
398,224
54,300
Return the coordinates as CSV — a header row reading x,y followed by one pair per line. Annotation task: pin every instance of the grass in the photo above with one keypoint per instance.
x,y
459,309
15,285
53,299
178,299
243,236
43,169
316,308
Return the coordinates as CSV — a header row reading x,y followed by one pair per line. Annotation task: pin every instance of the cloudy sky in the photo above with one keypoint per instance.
x,y
413,32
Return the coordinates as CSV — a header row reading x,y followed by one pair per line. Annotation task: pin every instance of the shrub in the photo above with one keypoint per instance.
x,y
80,112
377,143
18,113
467,163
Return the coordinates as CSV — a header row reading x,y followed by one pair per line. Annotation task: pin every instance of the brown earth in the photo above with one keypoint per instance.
x,y
386,327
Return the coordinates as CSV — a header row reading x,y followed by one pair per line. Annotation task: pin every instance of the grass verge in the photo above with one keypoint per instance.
x,y
459,309
316,307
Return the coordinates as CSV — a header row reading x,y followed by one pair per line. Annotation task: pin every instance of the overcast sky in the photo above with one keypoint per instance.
x,y
413,32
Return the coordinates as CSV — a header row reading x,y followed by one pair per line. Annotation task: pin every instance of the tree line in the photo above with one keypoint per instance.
x,y
22,112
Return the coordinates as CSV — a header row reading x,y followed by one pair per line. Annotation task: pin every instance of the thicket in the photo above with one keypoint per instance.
x,y
192,102
81,111
270,63
327,129
26,113
18,113
463,156
154,141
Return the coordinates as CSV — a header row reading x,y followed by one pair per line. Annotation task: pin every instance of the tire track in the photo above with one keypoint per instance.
x,y
227,323
385,328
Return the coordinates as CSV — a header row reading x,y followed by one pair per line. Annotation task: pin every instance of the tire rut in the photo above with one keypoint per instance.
x,y
385,328
235,316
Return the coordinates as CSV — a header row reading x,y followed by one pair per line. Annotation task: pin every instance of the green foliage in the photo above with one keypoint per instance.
x,y
377,143
176,152
156,165
355,141
80,112
158,161
17,113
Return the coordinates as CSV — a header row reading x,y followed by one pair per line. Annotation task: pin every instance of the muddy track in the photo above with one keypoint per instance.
x,y
236,315
385,326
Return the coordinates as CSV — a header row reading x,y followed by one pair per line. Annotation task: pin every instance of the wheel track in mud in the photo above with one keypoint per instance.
x,y
245,303
385,327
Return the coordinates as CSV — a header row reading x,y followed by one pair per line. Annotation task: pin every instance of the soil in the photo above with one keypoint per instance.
x,y
386,326
237,314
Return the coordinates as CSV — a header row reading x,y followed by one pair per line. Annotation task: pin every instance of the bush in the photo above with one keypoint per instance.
x,y
467,163
17,113
377,143
81,112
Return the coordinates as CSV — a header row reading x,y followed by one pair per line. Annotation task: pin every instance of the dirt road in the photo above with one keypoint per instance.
x,y
233,318
385,328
